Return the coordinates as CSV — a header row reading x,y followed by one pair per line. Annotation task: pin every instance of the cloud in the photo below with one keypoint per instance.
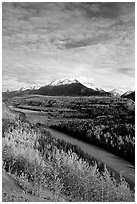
x,y
127,71
88,39
12,83
101,38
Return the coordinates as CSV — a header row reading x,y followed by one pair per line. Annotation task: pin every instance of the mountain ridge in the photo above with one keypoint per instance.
x,y
66,87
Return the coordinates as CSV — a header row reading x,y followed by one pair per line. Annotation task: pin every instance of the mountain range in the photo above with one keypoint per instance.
x,y
65,87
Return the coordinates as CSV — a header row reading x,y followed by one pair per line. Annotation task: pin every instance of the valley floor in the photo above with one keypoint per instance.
x,y
116,163
38,167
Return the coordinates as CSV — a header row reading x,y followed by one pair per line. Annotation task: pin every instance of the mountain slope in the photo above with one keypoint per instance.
x,y
11,94
75,88
7,113
131,95
11,115
127,93
65,81
12,192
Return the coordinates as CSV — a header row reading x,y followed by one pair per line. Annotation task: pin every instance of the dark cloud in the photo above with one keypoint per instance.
x,y
87,42
127,71
108,10
103,9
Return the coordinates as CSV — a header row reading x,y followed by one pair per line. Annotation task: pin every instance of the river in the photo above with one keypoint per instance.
x,y
116,163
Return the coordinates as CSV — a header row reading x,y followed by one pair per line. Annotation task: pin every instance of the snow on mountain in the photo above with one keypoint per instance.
x,y
31,87
65,81
91,86
59,82
28,87
116,92
71,80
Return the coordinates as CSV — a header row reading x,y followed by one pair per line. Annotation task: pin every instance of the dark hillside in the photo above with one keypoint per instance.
x,y
11,94
75,89
130,96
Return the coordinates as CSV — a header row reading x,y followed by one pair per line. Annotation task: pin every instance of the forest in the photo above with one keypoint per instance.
x,y
62,168
108,122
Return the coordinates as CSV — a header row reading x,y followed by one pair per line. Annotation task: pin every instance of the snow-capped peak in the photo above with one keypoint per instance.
x,y
84,82
58,82
117,92
91,86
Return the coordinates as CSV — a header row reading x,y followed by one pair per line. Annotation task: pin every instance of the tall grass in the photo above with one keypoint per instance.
x,y
41,166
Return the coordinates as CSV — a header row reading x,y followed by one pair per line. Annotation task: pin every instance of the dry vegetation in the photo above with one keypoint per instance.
x,y
39,164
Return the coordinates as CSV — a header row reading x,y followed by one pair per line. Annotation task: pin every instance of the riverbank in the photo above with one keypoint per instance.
x,y
119,165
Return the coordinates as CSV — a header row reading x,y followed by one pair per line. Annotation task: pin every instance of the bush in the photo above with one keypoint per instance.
x,y
36,162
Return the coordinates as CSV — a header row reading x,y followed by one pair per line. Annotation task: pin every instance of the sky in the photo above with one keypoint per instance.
x,y
44,41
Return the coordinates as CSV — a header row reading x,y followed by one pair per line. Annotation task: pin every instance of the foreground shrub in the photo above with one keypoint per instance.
x,y
40,166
